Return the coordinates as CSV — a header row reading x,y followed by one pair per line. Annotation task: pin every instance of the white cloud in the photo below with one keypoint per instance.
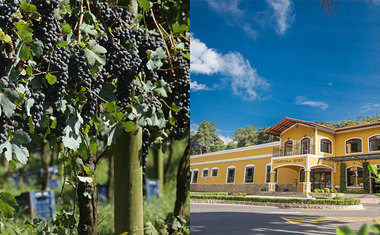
x,y
237,70
194,127
301,100
225,139
223,6
195,86
283,13
369,107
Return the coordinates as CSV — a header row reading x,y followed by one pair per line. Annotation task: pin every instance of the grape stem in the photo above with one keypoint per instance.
x,y
96,95
59,27
80,20
162,36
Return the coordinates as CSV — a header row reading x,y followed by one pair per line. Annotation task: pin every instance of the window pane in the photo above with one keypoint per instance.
x,y
214,172
249,173
374,143
205,173
231,175
353,146
195,177
326,146
268,174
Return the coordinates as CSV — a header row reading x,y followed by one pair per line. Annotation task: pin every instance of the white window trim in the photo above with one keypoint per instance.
x,y
208,171
214,168
369,147
292,147
270,172
192,176
320,145
346,175
254,171
231,167
345,146
306,137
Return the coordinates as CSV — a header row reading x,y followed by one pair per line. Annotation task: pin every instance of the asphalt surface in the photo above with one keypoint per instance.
x,y
247,219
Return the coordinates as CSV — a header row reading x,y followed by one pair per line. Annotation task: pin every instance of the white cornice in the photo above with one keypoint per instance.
x,y
272,144
232,160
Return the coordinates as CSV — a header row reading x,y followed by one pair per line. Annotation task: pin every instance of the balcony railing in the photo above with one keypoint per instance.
x,y
296,150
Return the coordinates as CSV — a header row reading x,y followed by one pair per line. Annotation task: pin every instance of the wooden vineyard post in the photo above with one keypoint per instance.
x,y
128,199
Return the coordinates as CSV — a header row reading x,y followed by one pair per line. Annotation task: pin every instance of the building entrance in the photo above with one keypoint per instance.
x,y
320,178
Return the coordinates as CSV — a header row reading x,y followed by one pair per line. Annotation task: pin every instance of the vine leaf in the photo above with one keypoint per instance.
x,y
177,28
27,8
96,54
7,104
71,138
15,147
144,4
85,179
7,204
51,79
155,58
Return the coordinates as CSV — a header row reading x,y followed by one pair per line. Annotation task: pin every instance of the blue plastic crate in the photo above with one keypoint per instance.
x,y
39,204
102,192
153,188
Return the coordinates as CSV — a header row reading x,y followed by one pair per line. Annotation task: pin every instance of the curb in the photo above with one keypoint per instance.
x,y
281,205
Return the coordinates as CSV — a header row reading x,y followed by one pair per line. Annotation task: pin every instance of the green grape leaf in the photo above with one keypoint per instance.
x,y
23,29
25,52
177,28
175,108
37,48
113,134
128,126
21,137
66,28
27,8
96,54
88,29
28,105
63,44
71,138
155,58
51,79
7,102
11,148
186,56
7,204
83,151
144,4
93,147
162,88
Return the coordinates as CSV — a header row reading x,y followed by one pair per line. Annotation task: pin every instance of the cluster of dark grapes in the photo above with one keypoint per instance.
x,y
6,125
37,109
45,6
145,146
7,8
180,85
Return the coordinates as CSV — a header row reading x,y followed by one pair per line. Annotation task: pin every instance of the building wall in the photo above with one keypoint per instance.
x,y
364,134
260,156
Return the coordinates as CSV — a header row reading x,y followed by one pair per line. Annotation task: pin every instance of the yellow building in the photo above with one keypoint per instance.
x,y
308,156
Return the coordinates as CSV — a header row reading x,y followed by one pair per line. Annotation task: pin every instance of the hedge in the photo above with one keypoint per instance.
x,y
209,193
343,201
342,177
366,184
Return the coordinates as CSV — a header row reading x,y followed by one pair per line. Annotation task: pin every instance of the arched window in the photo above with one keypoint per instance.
x,y
354,145
354,176
326,146
305,145
374,143
288,148
249,174
214,172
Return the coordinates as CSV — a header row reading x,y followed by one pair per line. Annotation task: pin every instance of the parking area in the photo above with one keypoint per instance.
x,y
247,219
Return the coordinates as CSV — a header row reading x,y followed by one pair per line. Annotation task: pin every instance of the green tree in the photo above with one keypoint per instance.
x,y
263,138
205,137
218,145
231,145
245,137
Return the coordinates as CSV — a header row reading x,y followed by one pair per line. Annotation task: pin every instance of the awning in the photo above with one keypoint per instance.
x,y
353,157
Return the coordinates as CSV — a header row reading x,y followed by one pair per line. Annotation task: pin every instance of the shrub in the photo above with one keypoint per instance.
x,y
322,197
345,201
239,194
326,190
338,198
334,191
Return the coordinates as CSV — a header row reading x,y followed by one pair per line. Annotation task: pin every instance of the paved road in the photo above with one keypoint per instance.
x,y
246,219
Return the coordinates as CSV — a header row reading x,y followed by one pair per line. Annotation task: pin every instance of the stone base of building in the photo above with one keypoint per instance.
x,y
239,188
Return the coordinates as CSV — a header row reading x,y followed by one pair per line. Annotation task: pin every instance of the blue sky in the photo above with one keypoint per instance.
x,y
255,62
